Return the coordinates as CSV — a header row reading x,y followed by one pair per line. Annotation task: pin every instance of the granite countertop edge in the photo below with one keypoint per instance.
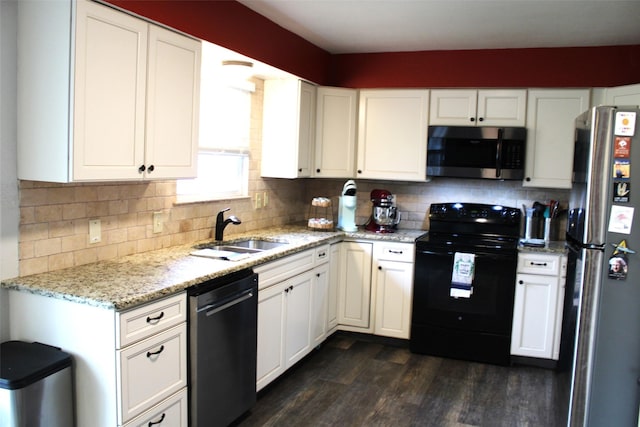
x,y
128,282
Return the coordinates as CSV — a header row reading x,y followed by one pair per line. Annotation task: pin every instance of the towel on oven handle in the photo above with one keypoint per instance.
x,y
462,275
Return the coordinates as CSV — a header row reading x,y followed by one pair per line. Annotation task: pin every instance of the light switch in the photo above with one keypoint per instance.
x,y
95,232
157,222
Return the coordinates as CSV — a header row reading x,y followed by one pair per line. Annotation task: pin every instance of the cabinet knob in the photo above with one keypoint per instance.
x,y
472,119
359,170
150,168
520,282
527,179
481,119
142,169
317,274
300,170
379,267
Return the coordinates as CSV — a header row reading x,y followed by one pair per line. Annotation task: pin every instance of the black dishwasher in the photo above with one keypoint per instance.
x,y
223,315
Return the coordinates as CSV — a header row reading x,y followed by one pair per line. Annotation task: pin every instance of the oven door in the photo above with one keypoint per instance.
x,y
489,308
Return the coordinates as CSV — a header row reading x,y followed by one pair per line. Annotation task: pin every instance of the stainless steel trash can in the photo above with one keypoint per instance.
x,y
35,386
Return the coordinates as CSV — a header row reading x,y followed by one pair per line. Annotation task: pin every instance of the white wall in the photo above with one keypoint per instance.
x,y
9,203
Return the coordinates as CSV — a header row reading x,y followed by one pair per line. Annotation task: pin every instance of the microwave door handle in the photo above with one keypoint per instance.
x,y
499,154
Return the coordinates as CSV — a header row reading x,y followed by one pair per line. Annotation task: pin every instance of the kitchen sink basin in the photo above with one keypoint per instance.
x,y
235,251
257,244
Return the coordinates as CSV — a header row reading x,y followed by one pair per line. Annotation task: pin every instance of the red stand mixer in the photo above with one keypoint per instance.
x,y
384,216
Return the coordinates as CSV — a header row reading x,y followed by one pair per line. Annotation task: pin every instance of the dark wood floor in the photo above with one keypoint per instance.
x,y
353,380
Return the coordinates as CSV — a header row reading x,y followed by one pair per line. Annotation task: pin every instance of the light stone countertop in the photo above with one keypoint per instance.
x,y
129,281
552,247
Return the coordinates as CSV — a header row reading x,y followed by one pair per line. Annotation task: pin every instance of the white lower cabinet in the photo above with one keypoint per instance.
x,y
537,314
130,367
151,370
354,285
393,286
173,412
376,301
292,312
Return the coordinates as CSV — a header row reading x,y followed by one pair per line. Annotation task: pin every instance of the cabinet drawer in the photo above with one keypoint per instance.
x,y
282,269
139,323
534,263
150,371
393,251
322,254
171,412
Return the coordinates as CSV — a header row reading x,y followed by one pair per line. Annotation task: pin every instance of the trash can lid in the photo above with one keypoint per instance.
x,y
23,363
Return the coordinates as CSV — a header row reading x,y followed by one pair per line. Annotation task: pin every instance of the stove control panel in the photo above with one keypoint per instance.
x,y
474,212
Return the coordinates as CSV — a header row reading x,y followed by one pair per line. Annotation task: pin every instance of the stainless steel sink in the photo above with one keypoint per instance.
x,y
258,244
235,251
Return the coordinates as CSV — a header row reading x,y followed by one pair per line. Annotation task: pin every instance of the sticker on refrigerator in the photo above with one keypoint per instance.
x,y
618,264
622,147
625,123
621,168
618,267
621,192
621,219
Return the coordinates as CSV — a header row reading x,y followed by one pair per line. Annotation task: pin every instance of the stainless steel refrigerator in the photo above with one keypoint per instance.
x,y
600,346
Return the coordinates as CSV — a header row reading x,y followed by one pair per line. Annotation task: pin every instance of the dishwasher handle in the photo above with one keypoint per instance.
x,y
225,303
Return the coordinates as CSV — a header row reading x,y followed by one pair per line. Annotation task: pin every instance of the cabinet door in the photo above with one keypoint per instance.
x,y
298,317
173,94
109,93
624,95
355,284
151,371
288,128
534,316
392,134
334,279
335,133
173,412
550,136
393,284
453,107
306,128
501,108
271,328
319,304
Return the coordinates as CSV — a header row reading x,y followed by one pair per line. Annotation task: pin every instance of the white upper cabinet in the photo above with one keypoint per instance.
x,y
392,134
336,123
492,107
623,95
288,128
551,116
173,88
121,103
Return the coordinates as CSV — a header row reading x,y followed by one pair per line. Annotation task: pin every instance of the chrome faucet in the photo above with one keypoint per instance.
x,y
221,223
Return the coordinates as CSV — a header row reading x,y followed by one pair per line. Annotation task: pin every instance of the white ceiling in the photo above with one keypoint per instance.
x,y
359,26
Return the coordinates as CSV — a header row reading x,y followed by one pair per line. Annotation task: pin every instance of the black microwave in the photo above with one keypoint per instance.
x,y
476,152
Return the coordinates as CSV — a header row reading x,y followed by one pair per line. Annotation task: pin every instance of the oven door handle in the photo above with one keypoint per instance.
x,y
499,153
446,252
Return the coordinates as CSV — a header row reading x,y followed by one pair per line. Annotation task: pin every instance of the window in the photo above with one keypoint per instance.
x,y
223,154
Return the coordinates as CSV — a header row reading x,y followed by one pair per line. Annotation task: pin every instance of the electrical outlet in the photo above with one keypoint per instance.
x,y
95,232
157,222
265,199
258,200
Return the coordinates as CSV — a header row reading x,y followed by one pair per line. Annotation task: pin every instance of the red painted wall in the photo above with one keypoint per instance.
x,y
234,26
558,67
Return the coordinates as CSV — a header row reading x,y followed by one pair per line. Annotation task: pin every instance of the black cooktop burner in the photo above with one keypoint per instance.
x,y
474,219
